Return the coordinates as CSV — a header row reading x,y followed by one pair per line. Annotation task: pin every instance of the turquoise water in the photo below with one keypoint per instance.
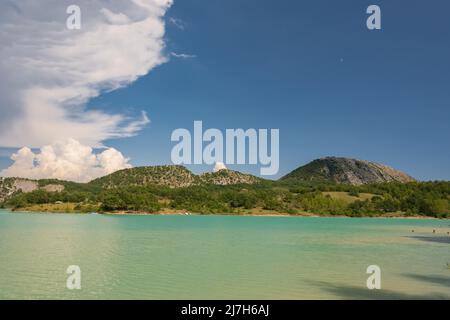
x,y
221,257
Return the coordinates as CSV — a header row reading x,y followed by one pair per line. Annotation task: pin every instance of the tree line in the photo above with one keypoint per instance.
x,y
416,198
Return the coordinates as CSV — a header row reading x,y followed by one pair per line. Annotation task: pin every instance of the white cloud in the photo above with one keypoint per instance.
x,y
219,166
182,55
49,73
177,23
65,160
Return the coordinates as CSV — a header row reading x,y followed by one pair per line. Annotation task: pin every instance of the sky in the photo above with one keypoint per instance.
x,y
140,69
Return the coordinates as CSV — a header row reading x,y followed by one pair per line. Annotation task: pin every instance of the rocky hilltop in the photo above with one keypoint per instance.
x,y
347,171
9,186
171,176
228,177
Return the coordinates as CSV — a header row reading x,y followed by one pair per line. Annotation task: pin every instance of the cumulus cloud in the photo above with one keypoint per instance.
x,y
65,160
219,166
49,73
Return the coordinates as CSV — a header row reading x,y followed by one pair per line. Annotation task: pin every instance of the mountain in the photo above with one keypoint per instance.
x,y
139,190
346,171
331,169
171,176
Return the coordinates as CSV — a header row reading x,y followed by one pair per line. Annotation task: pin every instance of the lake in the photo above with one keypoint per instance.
x,y
221,257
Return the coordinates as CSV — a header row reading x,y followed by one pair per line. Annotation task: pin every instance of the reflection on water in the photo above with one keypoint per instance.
x,y
220,257
438,239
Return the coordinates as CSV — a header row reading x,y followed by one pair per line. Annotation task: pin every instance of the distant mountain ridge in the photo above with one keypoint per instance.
x,y
346,171
330,169
173,176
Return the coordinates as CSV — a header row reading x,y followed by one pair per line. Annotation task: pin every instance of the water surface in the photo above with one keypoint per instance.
x,y
221,257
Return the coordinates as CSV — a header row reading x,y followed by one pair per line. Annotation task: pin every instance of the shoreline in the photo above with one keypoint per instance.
x,y
281,215
184,213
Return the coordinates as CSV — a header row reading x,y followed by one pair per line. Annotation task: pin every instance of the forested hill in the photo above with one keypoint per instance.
x,y
172,176
170,189
168,176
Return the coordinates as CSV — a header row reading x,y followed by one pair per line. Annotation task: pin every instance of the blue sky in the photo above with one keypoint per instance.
x,y
311,69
